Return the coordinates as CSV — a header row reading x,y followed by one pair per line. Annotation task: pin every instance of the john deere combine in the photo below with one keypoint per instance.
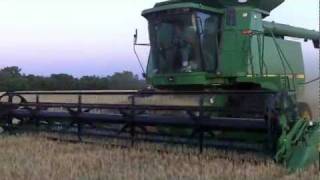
x,y
221,77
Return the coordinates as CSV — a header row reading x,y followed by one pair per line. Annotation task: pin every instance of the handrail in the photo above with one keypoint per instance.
x,y
283,58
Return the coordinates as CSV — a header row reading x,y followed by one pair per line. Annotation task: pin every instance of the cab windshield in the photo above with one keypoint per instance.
x,y
183,41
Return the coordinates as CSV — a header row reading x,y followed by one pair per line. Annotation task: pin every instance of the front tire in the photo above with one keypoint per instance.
x,y
305,112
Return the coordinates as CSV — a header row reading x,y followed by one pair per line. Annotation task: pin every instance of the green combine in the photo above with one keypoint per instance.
x,y
226,45
220,77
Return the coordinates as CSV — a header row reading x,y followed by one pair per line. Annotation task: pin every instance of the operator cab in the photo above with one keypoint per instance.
x,y
183,41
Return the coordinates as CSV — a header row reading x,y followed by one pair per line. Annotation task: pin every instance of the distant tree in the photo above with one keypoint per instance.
x,y
13,71
38,83
62,82
93,83
11,79
125,80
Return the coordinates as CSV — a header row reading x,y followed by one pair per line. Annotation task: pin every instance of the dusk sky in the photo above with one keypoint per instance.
x,y
94,37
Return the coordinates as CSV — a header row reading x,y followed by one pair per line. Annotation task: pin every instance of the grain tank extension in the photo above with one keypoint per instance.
x,y
221,77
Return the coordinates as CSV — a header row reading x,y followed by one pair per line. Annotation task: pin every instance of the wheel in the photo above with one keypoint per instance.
x,y
304,111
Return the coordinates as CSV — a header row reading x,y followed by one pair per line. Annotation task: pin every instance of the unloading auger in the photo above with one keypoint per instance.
x,y
221,76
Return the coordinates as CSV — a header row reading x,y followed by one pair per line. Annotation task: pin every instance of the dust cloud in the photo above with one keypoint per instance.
x,y
310,93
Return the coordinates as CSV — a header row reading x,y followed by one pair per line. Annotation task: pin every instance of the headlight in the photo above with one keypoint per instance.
x,y
242,1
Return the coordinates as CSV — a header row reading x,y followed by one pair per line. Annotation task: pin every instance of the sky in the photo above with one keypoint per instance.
x,y
94,37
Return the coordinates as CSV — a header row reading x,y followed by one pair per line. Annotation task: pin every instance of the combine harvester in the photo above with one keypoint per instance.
x,y
221,77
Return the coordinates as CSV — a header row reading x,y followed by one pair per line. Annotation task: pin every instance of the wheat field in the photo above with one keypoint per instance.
x,y
34,157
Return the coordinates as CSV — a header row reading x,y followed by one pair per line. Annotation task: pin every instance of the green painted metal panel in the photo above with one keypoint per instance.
x,y
233,57
236,46
292,52
182,79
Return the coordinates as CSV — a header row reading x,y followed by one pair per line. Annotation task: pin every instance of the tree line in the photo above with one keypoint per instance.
x,y
12,79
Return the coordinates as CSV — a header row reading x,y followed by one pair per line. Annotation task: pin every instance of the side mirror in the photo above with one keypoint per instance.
x,y
135,40
135,43
135,37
